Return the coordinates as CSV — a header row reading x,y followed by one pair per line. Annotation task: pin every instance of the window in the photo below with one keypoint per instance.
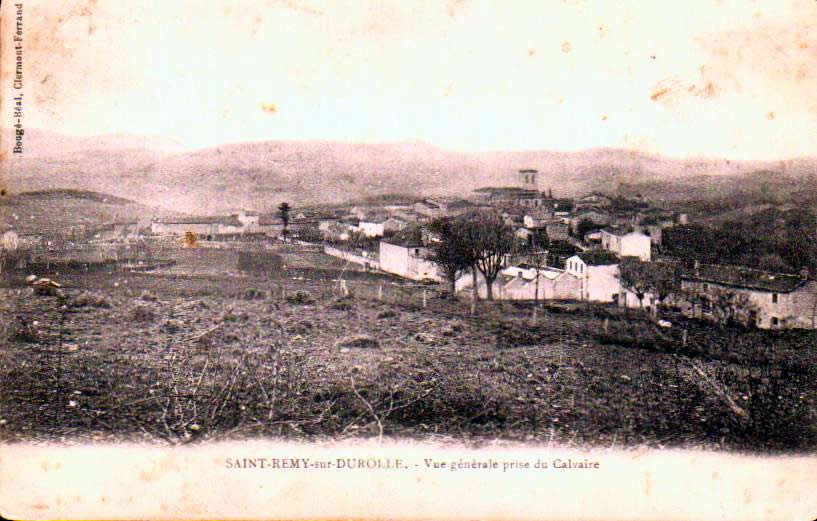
x,y
416,251
774,298
775,321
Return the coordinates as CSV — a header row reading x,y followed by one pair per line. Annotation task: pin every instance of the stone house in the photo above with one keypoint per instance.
x,y
767,300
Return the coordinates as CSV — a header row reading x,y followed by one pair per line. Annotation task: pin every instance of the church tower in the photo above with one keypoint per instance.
x,y
527,179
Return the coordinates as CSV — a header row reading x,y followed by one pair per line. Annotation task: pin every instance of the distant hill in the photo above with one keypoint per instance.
x,y
57,211
260,175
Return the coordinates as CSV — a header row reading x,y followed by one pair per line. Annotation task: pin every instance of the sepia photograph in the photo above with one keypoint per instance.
x,y
409,249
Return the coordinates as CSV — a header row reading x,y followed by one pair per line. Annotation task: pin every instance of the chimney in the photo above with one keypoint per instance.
x,y
697,268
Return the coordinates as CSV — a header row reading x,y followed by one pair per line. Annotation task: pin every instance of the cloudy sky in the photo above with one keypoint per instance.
x,y
697,78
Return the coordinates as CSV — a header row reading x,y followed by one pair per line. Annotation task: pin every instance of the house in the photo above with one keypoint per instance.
x,y
404,254
557,230
117,230
554,284
379,226
598,274
594,199
207,227
626,243
434,207
519,283
768,300
596,216
538,218
510,197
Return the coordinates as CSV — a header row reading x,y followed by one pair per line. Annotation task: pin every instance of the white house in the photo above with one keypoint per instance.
x,y
598,275
371,228
404,254
627,244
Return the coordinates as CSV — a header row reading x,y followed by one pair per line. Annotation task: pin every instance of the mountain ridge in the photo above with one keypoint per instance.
x,y
261,174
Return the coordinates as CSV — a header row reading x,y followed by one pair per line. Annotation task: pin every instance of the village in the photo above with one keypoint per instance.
x,y
593,248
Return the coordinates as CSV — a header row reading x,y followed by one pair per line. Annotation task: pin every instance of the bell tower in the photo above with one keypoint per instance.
x,y
527,179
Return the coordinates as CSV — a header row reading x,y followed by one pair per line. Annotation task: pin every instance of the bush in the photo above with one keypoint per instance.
x,y
301,297
142,313
388,313
342,304
254,294
22,331
147,296
89,300
360,341
172,326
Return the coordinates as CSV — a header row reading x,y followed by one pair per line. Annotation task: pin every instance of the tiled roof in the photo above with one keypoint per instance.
x,y
408,238
597,257
738,276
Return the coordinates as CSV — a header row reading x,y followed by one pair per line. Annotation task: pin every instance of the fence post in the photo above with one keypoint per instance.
x,y
684,338
606,324
380,292
424,297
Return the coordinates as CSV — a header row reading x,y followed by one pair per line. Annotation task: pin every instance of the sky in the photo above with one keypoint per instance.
x,y
732,79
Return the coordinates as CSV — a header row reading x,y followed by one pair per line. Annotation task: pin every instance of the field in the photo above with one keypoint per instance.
x,y
208,353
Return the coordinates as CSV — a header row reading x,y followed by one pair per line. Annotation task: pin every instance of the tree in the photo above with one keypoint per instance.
x,y
492,242
665,280
535,254
584,227
635,276
451,252
283,213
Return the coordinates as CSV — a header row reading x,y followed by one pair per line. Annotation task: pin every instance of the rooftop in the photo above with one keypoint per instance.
x,y
409,238
597,257
207,219
741,277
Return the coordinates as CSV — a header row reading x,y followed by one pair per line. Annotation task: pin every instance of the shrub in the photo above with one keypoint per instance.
x,y
254,294
172,326
359,341
142,313
147,296
301,297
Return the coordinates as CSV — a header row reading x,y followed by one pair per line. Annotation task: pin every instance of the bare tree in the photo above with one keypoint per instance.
x,y
451,252
635,276
492,242
535,254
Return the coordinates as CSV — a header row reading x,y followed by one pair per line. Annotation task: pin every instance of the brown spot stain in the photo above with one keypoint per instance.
x,y
44,465
657,94
269,108
2,191
604,117
39,506
770,115
567,47
531,52
454,6
189,240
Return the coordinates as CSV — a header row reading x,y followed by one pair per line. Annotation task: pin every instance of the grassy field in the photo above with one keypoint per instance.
x,y
175,357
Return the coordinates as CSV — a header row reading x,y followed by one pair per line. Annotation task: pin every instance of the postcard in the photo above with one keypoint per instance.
x,y
464,259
